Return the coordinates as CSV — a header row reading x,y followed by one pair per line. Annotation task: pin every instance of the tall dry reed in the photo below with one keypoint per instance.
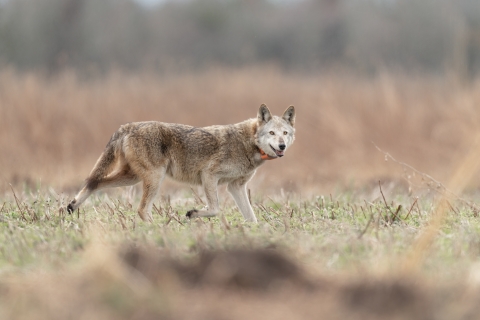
x,y
52,129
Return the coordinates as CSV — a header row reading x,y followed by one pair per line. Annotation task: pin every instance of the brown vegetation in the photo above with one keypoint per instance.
x,y
52,129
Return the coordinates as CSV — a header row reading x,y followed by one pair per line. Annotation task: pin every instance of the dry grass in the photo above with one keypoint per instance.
x,y
52,129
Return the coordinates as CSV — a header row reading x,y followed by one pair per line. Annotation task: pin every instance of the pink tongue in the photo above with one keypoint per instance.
x,y
279,153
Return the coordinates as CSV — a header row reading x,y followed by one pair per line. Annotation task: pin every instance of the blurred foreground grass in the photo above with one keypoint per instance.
x,y
350,246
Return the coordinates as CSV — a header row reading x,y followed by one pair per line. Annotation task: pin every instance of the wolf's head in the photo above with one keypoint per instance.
x,y
275,134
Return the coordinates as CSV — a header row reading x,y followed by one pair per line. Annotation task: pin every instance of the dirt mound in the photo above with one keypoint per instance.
x,y
239,268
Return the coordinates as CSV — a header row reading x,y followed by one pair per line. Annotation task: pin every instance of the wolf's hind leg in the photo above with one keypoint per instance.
x,y
239,194
120,178
103,166
79,198
151,186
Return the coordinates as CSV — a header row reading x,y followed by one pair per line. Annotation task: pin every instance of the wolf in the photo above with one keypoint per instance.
x,y
149,151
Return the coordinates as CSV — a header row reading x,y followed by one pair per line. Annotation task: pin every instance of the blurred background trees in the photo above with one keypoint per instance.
x,y
432,36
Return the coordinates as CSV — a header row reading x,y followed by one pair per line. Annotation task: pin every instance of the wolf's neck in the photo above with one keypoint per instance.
x,y
248,129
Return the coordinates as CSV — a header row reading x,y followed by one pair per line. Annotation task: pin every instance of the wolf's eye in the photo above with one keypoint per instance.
x,y
285,132
272,133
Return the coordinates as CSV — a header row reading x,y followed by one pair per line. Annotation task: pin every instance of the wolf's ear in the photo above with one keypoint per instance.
x,y
289,115
264,114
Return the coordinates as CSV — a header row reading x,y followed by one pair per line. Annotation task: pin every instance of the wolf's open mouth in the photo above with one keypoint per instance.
x,y
279,153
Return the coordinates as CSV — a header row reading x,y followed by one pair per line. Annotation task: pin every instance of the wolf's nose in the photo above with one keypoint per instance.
x,y
282,146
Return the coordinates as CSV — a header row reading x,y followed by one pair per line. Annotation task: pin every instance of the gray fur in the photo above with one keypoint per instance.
x,y
225,154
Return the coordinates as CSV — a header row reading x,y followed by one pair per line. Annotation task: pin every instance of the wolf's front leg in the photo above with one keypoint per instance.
x,y
238,190
210,189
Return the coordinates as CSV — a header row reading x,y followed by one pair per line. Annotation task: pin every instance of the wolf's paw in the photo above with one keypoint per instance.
x,y
70,208
191,214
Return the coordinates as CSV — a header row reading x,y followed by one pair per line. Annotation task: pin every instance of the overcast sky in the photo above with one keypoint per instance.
x,y
149,2
154,2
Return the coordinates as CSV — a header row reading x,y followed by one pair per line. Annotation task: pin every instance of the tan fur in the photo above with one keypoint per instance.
x,y
148,151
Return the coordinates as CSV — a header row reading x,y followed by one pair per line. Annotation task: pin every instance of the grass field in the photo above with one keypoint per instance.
x,y
346,230
344,256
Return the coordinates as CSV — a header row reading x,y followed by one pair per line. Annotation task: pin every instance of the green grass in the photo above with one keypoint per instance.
x,y
59,266
326,234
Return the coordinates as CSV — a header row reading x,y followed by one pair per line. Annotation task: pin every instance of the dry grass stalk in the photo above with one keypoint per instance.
x,y
466,169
